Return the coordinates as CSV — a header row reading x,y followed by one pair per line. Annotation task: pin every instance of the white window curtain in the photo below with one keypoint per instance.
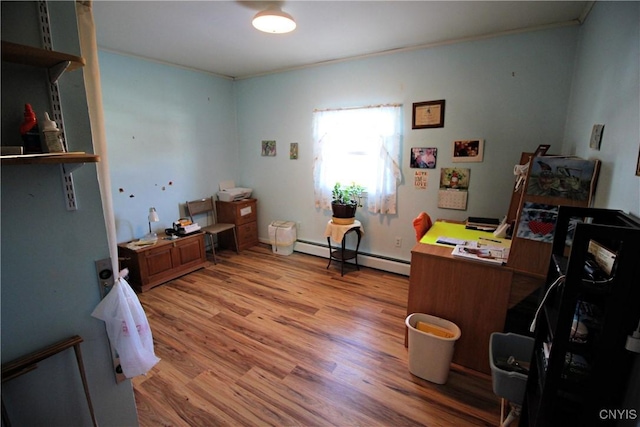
x,y
360,145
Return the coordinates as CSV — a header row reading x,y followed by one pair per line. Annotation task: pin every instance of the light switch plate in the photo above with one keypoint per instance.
x,y
596,137
104,271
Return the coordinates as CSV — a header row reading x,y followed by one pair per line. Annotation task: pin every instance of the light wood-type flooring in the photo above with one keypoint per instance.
x,y
267,340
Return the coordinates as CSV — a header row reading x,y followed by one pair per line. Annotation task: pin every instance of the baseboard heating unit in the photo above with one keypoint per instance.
x,y
378,262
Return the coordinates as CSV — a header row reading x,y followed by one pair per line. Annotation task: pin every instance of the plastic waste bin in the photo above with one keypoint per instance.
x,y
510,379
509,357
431,344
282,235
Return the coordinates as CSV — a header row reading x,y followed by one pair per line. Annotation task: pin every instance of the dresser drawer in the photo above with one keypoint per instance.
x,y
246,212
237,213
247,235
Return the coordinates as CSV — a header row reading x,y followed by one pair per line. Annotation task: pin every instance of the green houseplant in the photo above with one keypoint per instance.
x,y
346,199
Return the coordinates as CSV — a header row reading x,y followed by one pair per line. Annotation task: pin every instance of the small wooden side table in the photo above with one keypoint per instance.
x,y
338,233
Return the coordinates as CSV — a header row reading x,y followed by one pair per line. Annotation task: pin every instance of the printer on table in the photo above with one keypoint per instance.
x,y
230,193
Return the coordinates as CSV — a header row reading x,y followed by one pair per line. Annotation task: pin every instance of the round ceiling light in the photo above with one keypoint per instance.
x,y
274,21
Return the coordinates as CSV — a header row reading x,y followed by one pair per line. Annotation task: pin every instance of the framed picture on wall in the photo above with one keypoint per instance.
x,y
423,157
268,148
471,150
429,114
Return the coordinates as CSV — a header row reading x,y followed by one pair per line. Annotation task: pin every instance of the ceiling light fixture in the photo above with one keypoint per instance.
x,y
274,21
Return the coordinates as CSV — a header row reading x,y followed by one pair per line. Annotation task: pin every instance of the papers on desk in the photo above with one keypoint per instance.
x,y
490,254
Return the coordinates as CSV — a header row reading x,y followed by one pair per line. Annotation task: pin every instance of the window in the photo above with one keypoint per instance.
x,y
360,145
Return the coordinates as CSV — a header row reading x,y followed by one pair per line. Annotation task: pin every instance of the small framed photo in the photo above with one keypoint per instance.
x,y
293,151
423,157
466,151
269,148
429,114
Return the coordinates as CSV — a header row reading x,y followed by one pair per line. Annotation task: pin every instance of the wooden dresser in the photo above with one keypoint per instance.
x,y
166,260
244,215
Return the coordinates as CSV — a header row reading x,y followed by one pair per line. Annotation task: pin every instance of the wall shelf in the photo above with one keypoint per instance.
x,y
68,163
50,159
56,62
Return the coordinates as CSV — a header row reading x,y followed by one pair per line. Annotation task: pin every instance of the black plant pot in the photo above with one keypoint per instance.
x,y
343,211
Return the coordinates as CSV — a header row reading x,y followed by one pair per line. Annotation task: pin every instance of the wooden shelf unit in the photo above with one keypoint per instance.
x,y
529,256
56,63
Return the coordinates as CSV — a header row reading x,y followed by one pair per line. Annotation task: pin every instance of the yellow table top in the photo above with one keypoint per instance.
x,y
458,231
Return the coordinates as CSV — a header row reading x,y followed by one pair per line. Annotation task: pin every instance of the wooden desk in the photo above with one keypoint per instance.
x,y
471,294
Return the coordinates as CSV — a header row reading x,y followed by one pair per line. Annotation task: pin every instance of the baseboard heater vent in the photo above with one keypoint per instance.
x,y
378,262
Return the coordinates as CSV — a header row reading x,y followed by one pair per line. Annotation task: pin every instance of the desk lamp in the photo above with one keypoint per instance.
x,y
152,237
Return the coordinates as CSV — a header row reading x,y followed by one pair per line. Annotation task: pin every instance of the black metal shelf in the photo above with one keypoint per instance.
x,y
554,395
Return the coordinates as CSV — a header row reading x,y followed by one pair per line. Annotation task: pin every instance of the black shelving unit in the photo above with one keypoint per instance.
x,y
580,365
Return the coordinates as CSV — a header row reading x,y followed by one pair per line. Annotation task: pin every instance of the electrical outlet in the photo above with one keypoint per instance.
x,y
398,242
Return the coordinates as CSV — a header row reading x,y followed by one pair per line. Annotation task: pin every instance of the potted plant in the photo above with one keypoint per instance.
x,y
346,200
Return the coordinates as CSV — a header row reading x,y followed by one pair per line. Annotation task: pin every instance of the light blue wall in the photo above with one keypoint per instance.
x,y
511,91
49,283
606,90
171,137
167,124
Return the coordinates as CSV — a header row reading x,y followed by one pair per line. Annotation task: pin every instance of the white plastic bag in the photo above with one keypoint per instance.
x,y
127,328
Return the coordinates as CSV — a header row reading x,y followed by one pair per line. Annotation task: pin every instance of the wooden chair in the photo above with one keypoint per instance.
x,y
207,207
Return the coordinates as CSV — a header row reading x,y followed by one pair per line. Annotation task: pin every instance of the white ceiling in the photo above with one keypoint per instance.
x,y
217,36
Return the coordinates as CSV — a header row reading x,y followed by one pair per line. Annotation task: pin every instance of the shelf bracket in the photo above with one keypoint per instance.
x,y
67,186
57,70
54,71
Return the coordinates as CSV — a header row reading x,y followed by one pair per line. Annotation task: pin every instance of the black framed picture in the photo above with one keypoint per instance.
x,y
429,114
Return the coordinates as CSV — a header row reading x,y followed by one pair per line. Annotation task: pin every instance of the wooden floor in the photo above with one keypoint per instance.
x,y
266,340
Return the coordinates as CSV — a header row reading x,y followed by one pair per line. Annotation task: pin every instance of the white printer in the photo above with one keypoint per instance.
x,y
230,193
